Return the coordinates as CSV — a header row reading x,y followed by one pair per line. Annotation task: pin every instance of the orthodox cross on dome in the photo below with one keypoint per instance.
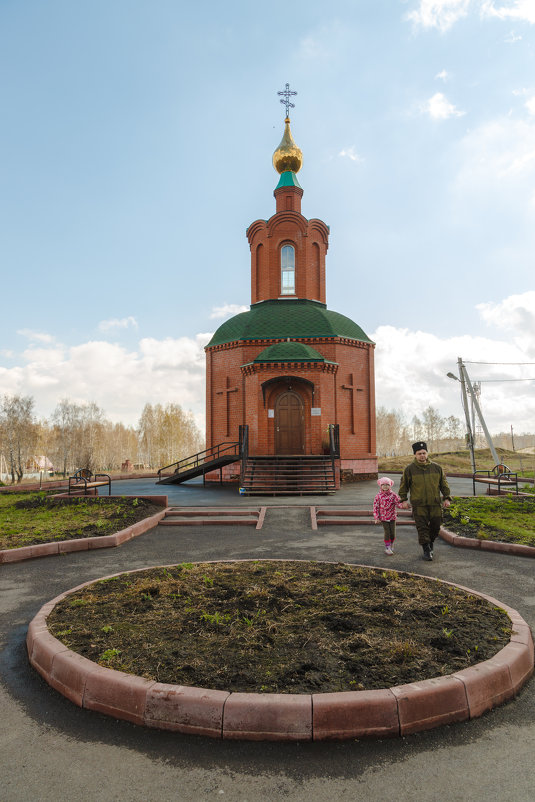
x,y
228,389
353,390
286,99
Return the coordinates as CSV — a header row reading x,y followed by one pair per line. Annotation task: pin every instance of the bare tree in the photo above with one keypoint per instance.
x,y
78,432
418,431
147,429
65,421
18,433
433,426
167,434
393,436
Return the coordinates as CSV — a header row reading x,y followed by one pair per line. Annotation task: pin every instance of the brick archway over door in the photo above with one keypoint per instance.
x,y
289,423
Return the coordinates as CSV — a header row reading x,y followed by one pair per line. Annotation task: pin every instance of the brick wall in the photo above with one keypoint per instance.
x,y
343,393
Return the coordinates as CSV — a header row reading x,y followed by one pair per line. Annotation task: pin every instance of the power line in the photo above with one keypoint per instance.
x,y
486,381
468,362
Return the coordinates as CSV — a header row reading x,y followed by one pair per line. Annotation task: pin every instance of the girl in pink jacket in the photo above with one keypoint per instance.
x,y
384,510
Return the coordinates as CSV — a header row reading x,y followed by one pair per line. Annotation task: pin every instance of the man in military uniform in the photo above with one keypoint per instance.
x,y
425,481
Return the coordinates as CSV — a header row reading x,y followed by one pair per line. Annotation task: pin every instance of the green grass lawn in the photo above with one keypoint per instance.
x,y
31,518
506,518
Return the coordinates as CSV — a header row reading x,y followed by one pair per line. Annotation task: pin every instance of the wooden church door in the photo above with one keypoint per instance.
x,y
289,424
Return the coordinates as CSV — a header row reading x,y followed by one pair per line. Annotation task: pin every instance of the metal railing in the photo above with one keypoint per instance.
x,y
334,444
244,449
200,459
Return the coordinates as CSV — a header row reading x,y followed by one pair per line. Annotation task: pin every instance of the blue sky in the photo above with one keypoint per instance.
x,y
136,143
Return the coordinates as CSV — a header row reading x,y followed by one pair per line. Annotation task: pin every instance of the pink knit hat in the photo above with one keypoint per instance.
x,y
384,480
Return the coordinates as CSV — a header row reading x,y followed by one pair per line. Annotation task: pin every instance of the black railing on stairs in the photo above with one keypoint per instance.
x,y
334,444
201,458
244,449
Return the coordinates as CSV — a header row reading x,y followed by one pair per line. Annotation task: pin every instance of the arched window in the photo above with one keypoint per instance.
x,y
287,270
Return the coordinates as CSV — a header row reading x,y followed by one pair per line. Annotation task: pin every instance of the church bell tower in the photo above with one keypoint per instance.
x,y
289,366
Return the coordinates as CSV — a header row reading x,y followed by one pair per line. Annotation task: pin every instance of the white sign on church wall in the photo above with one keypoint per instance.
x,y
271,413
315,411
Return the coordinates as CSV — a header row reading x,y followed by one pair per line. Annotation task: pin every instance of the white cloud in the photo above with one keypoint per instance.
x,y
438,107
227,310
411,367
350,153
515,314
443,14
36,336
523,10
497,164
443,75
116,323
440,14
119,380
512,38
530,105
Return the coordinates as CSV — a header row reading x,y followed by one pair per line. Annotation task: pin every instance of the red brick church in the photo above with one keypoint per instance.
x,y
290,368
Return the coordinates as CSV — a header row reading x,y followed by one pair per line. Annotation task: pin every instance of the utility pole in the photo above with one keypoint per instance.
x,y
464,372
469,433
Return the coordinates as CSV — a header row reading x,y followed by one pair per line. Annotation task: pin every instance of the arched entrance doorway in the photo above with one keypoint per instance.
x,y
289,424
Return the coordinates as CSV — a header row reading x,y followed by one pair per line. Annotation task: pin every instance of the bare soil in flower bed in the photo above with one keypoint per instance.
x,y
27,519
287,627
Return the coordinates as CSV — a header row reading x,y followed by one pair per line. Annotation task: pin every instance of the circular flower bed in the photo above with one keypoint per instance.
x,y
280,633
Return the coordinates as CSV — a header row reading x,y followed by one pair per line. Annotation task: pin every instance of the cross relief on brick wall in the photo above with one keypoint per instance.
x,y
353,399
226,392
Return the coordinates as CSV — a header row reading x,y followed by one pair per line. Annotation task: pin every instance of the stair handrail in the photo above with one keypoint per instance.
x,y
201,457
244,449
334,440
334,444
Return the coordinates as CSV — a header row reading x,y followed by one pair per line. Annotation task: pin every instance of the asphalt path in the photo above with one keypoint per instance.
x,y
52,750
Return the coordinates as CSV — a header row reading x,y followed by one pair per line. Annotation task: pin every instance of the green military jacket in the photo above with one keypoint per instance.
x,y
425,483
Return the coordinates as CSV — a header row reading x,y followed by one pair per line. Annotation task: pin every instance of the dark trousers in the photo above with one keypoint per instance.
x,y
390,530
428,521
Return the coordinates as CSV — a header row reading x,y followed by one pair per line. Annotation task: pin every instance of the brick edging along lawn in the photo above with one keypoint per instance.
x,y
395,711
486,545
88,543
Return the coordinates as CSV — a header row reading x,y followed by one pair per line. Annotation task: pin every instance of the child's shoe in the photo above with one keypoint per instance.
x,y
388,549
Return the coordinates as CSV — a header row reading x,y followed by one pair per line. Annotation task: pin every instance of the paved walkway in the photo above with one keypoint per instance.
x,y
194,493
52,750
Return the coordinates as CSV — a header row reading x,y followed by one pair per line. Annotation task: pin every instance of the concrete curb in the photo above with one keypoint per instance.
x,y
486,545
88,543
387,712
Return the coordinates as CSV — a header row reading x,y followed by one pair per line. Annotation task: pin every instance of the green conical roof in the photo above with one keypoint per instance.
x,y
289,352
293,318
288,179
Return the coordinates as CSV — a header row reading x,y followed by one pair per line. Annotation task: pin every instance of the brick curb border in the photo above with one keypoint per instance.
x,y
88,543
387,712
486,545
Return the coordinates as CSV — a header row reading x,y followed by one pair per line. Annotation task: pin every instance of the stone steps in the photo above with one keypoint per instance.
x,y
288,475
223,516
330,516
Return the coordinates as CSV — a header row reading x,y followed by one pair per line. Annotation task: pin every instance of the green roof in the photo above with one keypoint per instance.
x,y
288,179
297,319
289,352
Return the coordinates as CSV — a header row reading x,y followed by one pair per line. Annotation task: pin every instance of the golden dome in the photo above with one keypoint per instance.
x,y
287,156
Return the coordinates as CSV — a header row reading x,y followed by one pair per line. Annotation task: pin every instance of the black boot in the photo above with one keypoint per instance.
x,y
428,554
431,549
